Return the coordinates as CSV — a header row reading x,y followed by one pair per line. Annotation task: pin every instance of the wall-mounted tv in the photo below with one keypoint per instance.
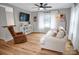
x,y
24,17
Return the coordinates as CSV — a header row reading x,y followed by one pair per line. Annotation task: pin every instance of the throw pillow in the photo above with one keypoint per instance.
x,y
54,34
60,34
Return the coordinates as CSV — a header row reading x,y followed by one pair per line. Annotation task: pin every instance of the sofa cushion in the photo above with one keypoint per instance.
x,y
51,32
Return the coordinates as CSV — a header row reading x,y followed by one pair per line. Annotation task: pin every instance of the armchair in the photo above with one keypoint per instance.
x,y
18,37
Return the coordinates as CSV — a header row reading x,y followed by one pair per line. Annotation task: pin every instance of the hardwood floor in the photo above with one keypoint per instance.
x,y
32,47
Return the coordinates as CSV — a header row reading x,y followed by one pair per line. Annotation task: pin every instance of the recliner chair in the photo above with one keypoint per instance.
x,y
18,37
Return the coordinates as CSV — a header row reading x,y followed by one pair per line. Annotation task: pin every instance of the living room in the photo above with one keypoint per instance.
x,y
39,25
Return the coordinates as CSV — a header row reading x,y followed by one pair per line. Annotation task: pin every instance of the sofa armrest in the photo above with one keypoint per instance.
x,y
53,39
20,36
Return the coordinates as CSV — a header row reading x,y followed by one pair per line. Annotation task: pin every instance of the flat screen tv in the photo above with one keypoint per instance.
x,y
24,17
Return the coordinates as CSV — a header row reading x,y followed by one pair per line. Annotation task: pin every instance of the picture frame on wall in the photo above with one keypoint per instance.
x,y
35,19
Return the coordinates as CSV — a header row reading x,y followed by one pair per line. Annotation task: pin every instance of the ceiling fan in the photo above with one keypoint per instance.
x,y
43,5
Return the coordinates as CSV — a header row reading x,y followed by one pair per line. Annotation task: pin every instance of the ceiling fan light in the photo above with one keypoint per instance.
x,y
41,8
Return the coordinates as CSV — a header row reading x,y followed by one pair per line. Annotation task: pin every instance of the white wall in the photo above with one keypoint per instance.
x,y
34,24
6,19
2,21
16,18
77,31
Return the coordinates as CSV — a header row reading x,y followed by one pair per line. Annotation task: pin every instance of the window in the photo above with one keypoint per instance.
x,y
46,21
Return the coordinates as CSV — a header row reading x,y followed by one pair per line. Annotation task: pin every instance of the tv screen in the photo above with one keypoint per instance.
x,y
24,17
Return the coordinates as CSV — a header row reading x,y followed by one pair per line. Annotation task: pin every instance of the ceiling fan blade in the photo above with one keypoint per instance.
x,y
37,5
45,4
47,7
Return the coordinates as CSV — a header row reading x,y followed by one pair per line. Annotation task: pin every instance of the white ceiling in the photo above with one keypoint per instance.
x,y
31,7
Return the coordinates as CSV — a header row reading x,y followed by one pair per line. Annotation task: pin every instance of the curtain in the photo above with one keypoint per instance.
x,y
73,30
46,21
53,20
41,20
72,23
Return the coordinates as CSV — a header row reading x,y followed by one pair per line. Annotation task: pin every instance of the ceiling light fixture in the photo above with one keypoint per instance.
x,y
41,8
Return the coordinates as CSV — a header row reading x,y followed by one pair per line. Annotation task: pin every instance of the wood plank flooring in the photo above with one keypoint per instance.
x,y
32,47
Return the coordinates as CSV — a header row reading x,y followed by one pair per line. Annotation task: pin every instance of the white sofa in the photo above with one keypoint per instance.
x,y
53,43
